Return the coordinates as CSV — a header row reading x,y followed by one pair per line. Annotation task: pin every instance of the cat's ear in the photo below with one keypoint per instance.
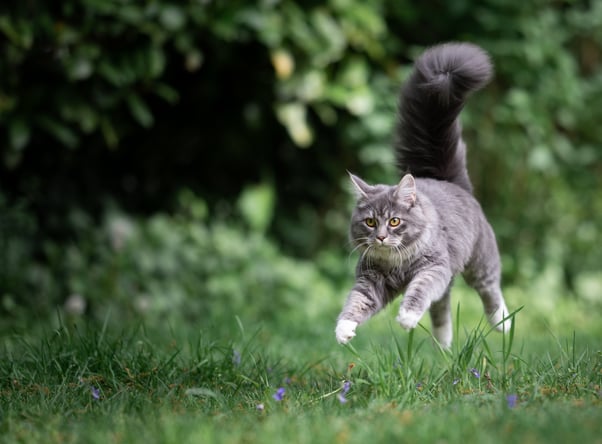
x,y
361,188
406,190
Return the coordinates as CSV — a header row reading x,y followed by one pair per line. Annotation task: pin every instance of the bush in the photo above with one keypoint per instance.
x,y
183,266
132,102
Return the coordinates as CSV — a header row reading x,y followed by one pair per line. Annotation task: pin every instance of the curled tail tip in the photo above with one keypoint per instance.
x,y
454,68
429,135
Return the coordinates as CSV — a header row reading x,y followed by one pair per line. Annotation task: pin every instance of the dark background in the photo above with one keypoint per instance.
x,y
127,127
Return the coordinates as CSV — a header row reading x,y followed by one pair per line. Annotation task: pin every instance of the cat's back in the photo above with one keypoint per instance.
x,y
459,218
448,199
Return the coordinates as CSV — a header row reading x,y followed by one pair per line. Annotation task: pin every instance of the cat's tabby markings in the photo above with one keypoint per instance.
x,y
415,236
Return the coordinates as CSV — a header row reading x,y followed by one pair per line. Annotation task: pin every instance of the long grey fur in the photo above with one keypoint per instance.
x,y
415,236
429,140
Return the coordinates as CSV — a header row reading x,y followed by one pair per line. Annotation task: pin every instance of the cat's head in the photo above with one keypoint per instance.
x,y
386,219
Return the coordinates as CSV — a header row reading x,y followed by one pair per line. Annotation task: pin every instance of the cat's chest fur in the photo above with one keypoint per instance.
x,y
393,271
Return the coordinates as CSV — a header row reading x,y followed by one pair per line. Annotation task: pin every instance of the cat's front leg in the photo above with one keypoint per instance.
x,y
408,319
425,288
364,300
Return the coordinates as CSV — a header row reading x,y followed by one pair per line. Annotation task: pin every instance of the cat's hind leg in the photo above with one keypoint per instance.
x,y
484,275
489,290
495,308
441,320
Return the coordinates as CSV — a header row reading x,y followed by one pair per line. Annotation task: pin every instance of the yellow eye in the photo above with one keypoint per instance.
x,y
370,222
394,221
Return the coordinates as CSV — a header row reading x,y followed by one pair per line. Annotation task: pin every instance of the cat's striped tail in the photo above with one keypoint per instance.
x,y
429,141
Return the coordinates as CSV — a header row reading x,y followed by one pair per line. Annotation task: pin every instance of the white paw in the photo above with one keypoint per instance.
x,y
496,319
407,319
345,331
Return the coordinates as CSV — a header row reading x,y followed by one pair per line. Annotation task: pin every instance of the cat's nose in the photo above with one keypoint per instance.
x,y
381,238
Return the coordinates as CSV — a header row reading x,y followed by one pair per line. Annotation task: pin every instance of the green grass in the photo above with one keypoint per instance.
x,y
201,385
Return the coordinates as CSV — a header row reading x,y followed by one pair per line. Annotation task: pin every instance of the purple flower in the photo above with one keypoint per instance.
x,y
95,392
341,396
346,386
511,400
475,373
279,394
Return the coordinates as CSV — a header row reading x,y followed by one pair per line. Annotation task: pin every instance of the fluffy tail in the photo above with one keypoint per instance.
x,y
429,142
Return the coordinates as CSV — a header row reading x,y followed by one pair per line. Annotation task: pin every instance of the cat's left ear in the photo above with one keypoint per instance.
x,y
361,188
406,190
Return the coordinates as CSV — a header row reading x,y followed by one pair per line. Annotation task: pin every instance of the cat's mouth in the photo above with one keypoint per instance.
x,y
381,245
380,248
384,243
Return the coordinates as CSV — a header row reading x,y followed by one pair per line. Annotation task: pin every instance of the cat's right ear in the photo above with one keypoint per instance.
x,y
361,188
406,190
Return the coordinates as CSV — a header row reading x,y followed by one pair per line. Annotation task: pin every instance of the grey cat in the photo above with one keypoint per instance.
x,y
414,237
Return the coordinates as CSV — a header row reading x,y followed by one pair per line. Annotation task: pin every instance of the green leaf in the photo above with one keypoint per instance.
x,y
19,134
140,111
332,36
18,32
79,68
109,133
256,203
172,17
167,93
112,74
59,131
293,117
156,62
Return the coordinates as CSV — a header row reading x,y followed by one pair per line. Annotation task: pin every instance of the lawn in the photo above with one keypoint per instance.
x,y
286,379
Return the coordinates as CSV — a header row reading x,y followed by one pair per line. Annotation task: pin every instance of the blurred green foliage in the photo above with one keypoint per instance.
x,y
166,268
259,108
